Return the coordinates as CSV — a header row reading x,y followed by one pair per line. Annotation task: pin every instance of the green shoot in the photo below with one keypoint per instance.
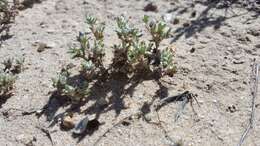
x,y
158,30
64,87
6,83
167,62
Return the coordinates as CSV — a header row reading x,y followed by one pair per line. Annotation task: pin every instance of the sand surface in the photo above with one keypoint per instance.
x,y
214,56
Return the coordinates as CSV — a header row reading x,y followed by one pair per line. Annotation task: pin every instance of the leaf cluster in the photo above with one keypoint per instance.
x,y
7,14
158,30
91,49
8,74
131,55
91,53
75,92
135,55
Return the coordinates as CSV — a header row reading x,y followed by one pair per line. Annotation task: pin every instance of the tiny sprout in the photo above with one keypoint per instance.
x,y
64,87
7,15
87,65
96,29
76,93
167,61
7,77
98,49
138,55
88,50
61,80
88,69
126,33
10,66
18,67
91,20
6,83
84,45
137,51
8,63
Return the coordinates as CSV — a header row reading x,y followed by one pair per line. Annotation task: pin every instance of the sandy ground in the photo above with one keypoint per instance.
x,y
214,54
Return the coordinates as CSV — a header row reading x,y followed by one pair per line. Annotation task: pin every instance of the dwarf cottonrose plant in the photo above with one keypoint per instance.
x,y
132,54
8,74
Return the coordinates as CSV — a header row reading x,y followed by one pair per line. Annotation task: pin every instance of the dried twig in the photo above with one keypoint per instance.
x,y
47,133
23,112
164,130
255,78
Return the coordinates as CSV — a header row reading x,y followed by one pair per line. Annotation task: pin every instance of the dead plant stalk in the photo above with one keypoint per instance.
x,y
255,78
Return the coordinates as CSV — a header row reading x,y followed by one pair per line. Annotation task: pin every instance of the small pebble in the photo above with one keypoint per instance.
x,y
68,122
193,14
186,24
175,21
257,46
167,17
192,50
151,7
41,47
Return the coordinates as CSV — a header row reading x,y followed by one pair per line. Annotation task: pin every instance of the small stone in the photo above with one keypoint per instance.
x,y
238,62
126,123
254,32
193,14
186,24
257,45
70,66
167,17
248,38
192,50
102,102
68,122
25,139
41,47
147,118
50,31
231,109
50,45
27,3
175,21
39,112
214,101
43,25
151,7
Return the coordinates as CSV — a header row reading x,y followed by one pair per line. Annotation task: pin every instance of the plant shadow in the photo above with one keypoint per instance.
x,y
4,98
208,19
113,87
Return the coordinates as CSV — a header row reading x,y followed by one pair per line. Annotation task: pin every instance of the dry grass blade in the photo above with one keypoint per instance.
x,y
255,78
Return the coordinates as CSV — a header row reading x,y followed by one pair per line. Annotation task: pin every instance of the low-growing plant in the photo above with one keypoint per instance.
x,y
158,30
13,66
167,62
91,50
6,83
128,35
91,54
138,56
132,55
7,14
75,91
8,74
